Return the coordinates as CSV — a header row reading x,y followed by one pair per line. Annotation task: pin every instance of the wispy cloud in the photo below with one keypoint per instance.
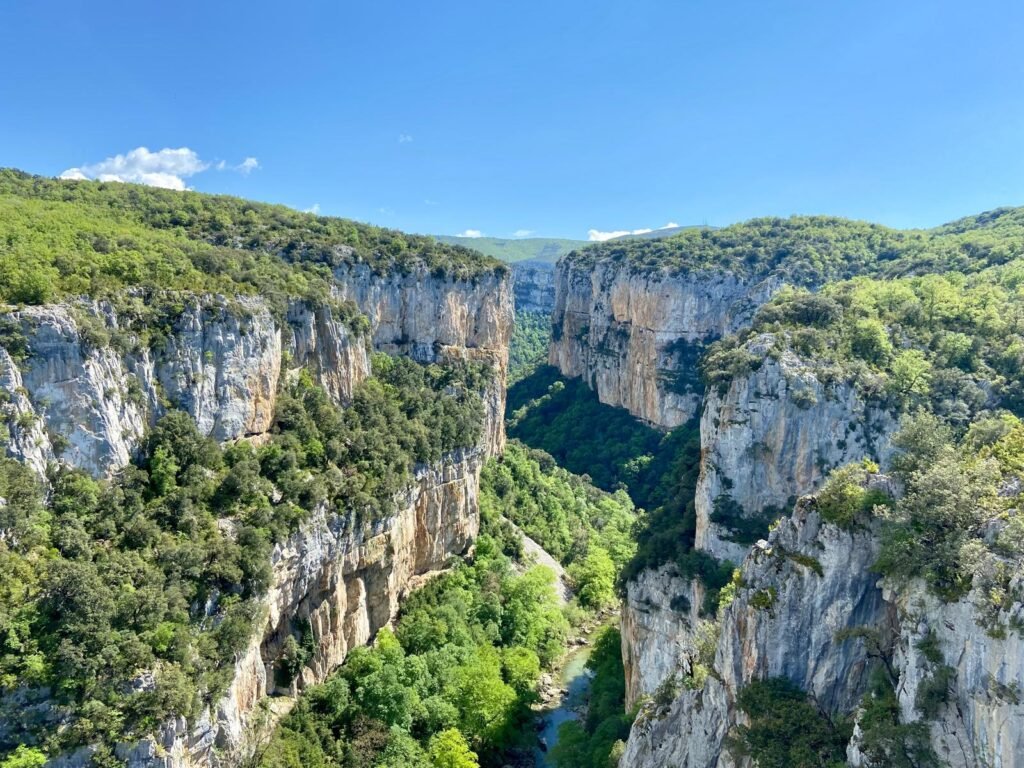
x,y
599,236
522,233
247,166
315,209
470,233
167,168
404,138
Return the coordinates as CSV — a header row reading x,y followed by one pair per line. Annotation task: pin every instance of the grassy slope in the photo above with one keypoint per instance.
x,y
511,250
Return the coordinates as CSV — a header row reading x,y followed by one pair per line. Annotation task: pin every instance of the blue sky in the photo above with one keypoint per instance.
x,y
555,118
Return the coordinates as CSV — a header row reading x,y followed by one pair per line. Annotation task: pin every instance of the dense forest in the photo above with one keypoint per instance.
x,y
450,687
529,346
455,684
951,343
104,578
63,238
811,250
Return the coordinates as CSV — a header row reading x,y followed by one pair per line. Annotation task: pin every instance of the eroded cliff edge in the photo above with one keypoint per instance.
x,y
636,335
83,382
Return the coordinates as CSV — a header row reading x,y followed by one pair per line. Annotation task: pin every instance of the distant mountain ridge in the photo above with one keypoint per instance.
x,y
513,249
543,249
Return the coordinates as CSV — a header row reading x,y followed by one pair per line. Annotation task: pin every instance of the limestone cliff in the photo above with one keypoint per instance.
x,y
82,381
434,317
798,591
774,434
89,385
808,582
656,630
533,284
635,336
981,722
347,581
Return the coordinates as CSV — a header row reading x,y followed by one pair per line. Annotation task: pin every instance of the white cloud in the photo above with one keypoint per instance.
x,y
599,236
471,233
314,209
522,233
166,168
247,166
404,138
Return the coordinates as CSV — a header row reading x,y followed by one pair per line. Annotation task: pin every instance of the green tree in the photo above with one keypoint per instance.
x,y
594,578
24,757
448,749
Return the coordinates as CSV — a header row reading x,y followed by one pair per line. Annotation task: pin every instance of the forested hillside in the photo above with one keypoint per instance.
x,y
61,238
160,568
813,249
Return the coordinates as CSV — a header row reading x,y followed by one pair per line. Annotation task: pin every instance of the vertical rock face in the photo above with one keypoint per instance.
x,y
635,337
533,284
656,630
775,434
347,582
90,401
982,721
801,589
87,388
431,317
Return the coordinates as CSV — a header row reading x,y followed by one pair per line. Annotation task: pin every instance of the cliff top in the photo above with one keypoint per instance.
x,y
810,250
61,237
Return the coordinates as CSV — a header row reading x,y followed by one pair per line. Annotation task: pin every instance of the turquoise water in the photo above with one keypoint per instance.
x,y
576,679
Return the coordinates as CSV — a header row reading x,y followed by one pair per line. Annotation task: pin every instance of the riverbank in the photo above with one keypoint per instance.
x,y
565,691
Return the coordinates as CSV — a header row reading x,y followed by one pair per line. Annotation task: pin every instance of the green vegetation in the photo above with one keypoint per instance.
x,y
452,683
105,580
845,498
605,444
613,450
811,250
529,347
584,528
950,343
597,742
955,526
884,740
511,250
60,238
786,729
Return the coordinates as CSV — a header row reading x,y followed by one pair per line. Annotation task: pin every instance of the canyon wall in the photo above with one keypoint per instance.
x,y
799,590
773,434
533,284
81,384
635,336
434,317
90,385
347,581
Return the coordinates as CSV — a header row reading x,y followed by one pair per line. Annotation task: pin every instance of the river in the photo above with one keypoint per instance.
x,y
575,678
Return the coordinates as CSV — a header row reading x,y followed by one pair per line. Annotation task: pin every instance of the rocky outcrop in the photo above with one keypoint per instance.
x,y
347,581
89,387
433,317
533,284
774,434
635,336
799,590
982,720
657,619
